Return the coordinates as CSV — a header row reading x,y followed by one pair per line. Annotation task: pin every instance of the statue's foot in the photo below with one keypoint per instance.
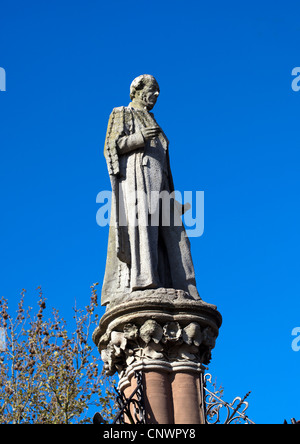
x,y
193,292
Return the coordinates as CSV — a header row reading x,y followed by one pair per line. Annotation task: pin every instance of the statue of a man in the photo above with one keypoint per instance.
x,y
143,254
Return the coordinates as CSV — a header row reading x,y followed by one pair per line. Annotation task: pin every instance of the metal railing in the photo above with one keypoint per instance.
x,y
216,410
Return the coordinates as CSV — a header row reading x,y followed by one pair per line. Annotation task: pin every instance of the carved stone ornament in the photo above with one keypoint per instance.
x,y
169,342
161,328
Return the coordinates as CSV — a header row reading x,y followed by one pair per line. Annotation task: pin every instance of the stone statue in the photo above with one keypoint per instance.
x,y
156,330
142,254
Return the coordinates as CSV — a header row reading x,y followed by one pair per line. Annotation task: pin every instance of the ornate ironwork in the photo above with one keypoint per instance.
x,y
132,409
218,411
293,421
215,409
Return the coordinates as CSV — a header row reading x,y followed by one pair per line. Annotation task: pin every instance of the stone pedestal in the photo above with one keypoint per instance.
x,y
168,336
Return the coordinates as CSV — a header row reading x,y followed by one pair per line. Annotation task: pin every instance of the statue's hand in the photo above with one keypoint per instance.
x,y
186,207
182,208
151,132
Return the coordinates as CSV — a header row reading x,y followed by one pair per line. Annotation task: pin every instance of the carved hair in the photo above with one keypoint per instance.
x,y
140,82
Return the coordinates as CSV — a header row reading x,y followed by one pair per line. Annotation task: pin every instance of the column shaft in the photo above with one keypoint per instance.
x,y
186,398
158,398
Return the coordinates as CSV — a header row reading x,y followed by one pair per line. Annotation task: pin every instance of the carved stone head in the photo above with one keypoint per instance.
x,y
145,90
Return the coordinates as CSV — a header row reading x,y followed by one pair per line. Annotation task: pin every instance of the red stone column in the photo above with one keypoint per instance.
x,y
187,400
158,397
154,332
127,392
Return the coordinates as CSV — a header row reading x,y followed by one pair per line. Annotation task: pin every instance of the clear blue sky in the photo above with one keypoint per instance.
x,y
232,119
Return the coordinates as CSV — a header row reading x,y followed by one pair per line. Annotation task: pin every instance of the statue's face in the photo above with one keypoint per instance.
x,y
149,95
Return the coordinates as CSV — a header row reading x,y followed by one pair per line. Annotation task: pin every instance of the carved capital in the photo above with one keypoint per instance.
x,y
168,330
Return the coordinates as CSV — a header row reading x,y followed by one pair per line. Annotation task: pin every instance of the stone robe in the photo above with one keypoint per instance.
x,y
142,254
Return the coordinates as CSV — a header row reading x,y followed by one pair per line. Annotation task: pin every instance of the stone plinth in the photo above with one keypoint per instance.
x,y
168,336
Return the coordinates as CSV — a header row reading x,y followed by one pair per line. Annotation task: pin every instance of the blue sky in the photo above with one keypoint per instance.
x,y
232,118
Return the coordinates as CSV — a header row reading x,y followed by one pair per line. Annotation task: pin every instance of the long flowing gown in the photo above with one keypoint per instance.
x,y
143,251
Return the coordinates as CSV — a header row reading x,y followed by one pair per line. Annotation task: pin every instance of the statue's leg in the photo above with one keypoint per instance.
x,y
144,254
180,259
